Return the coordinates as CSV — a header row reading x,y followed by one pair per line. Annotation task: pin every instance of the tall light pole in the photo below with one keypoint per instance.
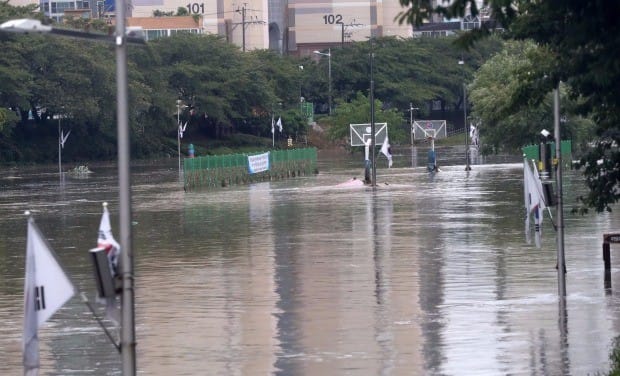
x,y
128,327
467,166
329,69
120,39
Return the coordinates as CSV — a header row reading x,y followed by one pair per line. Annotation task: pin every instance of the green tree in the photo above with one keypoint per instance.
x,y
582,39
495,94
357,111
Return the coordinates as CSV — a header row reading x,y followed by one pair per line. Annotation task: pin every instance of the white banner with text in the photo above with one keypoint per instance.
x,y
258,163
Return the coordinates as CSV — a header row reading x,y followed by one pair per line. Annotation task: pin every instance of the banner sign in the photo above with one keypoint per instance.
x,y
258,163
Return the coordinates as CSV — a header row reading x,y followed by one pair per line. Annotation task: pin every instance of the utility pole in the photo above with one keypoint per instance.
x,y
243,23
343,34
243,26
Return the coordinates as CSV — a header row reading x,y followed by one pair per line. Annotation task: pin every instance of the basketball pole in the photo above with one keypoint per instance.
x,y
372,119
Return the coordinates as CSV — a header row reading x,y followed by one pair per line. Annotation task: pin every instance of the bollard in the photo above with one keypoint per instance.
x,y
607,240
607,256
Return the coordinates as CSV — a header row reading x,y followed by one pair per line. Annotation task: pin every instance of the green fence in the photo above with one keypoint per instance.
x,y
307,111
532,152
214,171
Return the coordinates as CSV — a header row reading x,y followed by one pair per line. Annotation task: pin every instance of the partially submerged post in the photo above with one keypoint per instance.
x,y
361,135
430,130
608,239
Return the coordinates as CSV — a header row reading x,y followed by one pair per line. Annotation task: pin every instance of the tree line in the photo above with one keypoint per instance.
x,y
574,45
51,82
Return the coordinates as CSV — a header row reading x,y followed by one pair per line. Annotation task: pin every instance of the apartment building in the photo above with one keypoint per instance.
x,y
289,26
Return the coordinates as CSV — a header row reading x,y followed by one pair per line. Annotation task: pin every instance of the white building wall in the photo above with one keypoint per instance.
x,y
21,3
323,21
223,17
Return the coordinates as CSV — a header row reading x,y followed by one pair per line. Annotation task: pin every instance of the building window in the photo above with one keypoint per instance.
x,y
154,34
470,23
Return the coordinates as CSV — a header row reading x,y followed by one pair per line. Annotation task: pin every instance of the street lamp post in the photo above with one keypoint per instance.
x,y
120,39
559,199
128,327
329,69
467,166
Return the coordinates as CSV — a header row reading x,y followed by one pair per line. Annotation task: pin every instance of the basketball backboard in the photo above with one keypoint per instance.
x,y
360,133
424,129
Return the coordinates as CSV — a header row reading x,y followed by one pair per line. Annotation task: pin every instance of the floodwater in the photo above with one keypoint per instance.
x,y
425,275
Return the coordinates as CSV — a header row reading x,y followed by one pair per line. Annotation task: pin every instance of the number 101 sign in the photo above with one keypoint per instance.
x,y
196,8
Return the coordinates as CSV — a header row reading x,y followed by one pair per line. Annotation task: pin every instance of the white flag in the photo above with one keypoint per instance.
x,y
63,138
534,200
385,149
272,125
526,200
106,240
182,129
474,136
46,289
279,124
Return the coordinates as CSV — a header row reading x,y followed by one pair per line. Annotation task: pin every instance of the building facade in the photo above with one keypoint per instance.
x,y
316,24
288,26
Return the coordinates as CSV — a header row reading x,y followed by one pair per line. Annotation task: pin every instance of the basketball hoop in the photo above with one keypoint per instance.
x,y
429,130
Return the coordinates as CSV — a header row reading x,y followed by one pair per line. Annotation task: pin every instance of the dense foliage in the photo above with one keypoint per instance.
x,y
581,40
506,125
50,82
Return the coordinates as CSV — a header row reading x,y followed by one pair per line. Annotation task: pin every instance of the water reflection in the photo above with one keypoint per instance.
x,y
423,275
